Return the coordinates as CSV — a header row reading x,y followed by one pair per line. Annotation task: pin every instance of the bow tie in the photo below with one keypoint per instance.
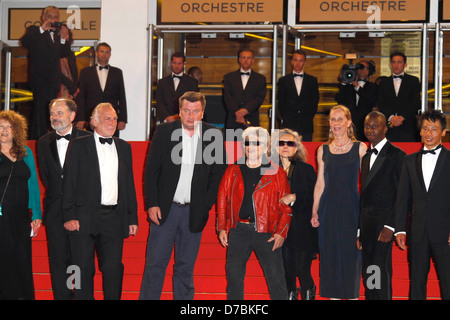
x,y
298,75
432,151
107,140
105,67
374,151
245,73
175,76
397,77
67,136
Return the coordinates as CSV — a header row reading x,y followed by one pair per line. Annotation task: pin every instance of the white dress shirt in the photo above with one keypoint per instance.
x,y
298,82
397,83
245,77
102,76
374,156
61,146
176,81
428,164
109,170
183,191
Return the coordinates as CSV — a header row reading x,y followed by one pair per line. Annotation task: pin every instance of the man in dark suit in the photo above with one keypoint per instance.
x,y
423,201
298,97
244,91
52,149
46,46
99,204
360,96
379,179
179,192
171,88
399,100
101,83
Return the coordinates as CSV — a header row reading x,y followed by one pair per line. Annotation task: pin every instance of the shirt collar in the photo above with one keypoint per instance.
x,y
380,145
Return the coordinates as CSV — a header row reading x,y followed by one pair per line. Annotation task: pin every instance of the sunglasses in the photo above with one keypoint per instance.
x,y
251,143
282,143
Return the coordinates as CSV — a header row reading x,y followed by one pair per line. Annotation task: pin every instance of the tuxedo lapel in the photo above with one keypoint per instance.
x,y
365,163
96,79
419,171
378,164
54,149
439,167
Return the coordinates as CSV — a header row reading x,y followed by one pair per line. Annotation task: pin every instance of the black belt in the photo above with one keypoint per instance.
x,y
108,207
181,204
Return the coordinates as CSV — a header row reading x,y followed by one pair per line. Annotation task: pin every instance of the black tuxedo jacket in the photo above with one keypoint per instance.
x,y
235,97
162,173
428,211
44,56
167,97
298,111
366,102
379,191
406,104
51,171
81,198
91,93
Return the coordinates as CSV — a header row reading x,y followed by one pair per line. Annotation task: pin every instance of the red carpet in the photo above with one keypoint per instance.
x,y
210,280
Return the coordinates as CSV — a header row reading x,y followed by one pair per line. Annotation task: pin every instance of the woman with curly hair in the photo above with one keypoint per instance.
x,y
19,193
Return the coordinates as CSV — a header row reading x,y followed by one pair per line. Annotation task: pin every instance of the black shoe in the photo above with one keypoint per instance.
x,y
293,295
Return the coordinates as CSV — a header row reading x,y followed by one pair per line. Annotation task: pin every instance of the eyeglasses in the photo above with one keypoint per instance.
x,y
252,143
282,143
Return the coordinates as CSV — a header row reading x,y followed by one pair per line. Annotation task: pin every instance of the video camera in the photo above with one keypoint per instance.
x,y
349,73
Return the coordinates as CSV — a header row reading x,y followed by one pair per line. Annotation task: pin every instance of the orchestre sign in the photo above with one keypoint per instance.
x,y
84,23
221,11
361,10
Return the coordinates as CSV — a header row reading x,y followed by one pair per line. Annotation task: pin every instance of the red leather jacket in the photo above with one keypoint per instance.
x,y
272,216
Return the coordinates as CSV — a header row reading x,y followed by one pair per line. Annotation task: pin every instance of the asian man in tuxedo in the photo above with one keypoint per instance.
x,y
47,45
101,83
423,207
244,91
171,88
99,204
298,97
379,179
52,149
399,100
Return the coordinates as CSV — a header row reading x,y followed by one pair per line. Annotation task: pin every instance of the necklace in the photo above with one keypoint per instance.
x,y
340,149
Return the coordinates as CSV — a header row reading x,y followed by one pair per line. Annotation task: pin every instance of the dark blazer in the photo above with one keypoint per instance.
x,y
162,173
167,98
298,111
91,93
235,97
302,236
379,191
51,174
406,104
81,199
366,102
430,210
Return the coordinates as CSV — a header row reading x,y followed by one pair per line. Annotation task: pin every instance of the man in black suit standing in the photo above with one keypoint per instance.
x,y
52,149
360,96
99,203
399,100
423,200
298,97
179,192
379,179
171,88
101,83
46,44
244,91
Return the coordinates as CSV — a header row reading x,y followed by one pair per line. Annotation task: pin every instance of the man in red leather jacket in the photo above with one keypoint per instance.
x,y
249,209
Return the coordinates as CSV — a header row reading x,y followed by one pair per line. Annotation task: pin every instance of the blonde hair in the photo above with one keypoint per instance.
x,y
348,116
301,153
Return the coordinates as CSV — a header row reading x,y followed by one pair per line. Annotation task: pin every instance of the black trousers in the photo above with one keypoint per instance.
x,y
243,240
297,264
108,242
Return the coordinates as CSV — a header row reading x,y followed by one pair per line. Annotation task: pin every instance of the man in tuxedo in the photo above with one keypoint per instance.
x,y
399,100
179,192
101,83
244,91
171,88
99,203
46,45
360,96
379,179
52,149
298,97
423,200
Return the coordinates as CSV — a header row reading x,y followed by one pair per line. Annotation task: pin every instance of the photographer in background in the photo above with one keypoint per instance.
x,y
47,44
359,95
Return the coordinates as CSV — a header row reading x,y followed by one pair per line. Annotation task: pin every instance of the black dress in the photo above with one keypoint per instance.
x,y
16,277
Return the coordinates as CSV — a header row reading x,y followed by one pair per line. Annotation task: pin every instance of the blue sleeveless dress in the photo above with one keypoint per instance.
x,y
340,260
